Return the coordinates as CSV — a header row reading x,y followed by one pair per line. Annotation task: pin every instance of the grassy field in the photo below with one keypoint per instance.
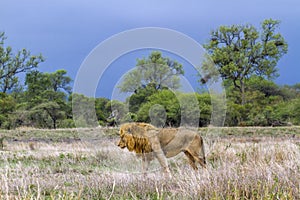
x,y
243,163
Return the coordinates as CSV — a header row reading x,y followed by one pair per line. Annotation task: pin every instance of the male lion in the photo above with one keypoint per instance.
x,y
146,140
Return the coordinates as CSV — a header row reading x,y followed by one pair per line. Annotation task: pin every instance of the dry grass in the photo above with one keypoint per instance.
x,y
243,167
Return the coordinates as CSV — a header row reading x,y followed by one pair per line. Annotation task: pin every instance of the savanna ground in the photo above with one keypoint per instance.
x,y
243,163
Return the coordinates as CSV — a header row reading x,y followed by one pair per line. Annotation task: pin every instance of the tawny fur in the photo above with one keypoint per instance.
x,y
145,139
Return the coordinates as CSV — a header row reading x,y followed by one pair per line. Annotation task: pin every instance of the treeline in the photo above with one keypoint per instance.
x,y
244,57
46,102
266,104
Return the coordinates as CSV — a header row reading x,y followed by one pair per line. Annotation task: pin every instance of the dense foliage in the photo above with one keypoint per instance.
x,y
241,51
245,57
156,70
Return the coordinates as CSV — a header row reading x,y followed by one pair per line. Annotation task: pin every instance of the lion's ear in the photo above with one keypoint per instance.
x,y
130,142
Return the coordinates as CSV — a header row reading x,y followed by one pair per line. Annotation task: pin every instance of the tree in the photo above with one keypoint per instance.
x,y
81,109
165,105
102,111
159,71
11,65
204,101
47,86
269,88
297,87
165,108
46,96
50,110
7,106
59,81
118,112
140,97
241,51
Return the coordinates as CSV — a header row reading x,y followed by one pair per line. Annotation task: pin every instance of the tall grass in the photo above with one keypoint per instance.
x,y
243,168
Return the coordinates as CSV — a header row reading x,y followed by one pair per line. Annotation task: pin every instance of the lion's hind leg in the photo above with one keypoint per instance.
x,y
195,149
191,160
201,161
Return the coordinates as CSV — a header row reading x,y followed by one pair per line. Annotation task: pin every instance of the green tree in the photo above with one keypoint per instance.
x,y
165,99
261,99
165,108
59,81
48,86
204,101
289,111
13,64
118,113
189,109
37,86
140,97
46,110
7,107
297,87
241,51
46,97
81,109
157,70
102,111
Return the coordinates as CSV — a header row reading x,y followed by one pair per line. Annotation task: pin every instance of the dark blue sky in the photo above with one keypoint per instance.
x,y
66,31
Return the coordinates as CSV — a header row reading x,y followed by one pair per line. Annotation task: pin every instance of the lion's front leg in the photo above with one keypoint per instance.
x,y
159,154
162,161
145,163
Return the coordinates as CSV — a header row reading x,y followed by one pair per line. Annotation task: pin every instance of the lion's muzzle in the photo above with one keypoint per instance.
x,y
121,144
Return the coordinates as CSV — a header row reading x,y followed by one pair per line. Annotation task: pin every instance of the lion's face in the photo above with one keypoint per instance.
x,y
126,140
122,143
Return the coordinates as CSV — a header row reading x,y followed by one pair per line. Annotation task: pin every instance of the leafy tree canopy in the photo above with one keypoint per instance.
x,y
12,64
157,70
241,51
46,96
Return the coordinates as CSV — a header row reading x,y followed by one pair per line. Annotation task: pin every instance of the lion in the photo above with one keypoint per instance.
x,y
148,142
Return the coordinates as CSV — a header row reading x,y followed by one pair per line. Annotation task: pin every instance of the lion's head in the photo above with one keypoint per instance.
x,y
134,137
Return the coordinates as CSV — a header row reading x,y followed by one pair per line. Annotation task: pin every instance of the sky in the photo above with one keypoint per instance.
x,y
67,31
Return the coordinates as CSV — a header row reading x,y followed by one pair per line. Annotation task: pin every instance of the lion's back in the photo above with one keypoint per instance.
x,y
136,128
181,139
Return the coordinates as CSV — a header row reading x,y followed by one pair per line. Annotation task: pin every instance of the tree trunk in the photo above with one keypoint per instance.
x,y
243,92
54,123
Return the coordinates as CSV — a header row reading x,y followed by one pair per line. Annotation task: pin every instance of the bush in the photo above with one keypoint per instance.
x,y
66,123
